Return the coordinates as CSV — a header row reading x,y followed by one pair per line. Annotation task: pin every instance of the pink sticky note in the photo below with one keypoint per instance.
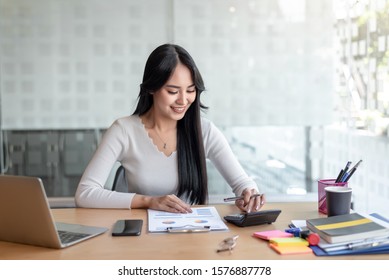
x,y
271,234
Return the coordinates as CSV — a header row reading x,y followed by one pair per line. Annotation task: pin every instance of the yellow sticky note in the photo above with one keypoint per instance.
x,y
289,241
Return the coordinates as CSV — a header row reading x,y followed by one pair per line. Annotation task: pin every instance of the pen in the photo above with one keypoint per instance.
x,y
348,175
312,238
188,229
339,176
295,231
359,244
365,246
291,225
240,197
343,172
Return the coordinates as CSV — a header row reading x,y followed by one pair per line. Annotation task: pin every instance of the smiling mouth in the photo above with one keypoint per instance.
x,y
178,109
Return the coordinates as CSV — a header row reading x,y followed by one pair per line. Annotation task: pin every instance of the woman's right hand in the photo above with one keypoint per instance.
x,y
169,203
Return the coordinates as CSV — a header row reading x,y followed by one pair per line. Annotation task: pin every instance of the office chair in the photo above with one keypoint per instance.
x,y
120,182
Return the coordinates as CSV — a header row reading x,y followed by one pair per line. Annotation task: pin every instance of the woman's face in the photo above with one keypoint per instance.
x,y
174,98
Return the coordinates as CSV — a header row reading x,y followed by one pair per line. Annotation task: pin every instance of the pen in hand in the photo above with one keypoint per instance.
x,y
241,197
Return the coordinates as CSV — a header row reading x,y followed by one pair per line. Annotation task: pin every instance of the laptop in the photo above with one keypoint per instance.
x,y
25,216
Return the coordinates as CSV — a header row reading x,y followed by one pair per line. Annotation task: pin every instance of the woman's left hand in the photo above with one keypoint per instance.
x,y
249,203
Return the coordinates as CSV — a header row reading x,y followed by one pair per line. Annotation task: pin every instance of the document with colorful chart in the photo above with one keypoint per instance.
x,y
200,218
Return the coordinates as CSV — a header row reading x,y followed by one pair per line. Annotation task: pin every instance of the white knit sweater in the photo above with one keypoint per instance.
x,y
149,171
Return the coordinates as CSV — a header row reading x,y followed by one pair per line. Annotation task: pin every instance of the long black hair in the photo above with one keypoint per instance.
x,y
192,173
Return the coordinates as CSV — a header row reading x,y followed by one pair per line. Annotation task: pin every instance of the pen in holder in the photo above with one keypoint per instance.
x,y
322,184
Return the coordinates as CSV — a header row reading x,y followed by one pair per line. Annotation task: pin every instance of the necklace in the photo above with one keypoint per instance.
x,y
164,143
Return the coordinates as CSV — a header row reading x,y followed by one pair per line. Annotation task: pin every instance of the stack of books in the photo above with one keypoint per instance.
x,y
350,234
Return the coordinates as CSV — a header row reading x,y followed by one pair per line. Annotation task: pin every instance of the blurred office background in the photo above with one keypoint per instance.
x,y
298,87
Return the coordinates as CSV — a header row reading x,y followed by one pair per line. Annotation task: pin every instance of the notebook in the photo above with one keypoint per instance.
x,y
25,216
347,228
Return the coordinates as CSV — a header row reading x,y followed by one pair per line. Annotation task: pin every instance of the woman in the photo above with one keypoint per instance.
x,y
164,144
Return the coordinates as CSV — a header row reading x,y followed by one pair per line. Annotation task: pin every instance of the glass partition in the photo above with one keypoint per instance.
x,y
292,84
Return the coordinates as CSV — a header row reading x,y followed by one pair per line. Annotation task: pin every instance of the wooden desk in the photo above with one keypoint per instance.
x,y
148,246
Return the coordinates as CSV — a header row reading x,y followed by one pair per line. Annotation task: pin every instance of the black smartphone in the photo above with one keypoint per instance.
x,y
127,227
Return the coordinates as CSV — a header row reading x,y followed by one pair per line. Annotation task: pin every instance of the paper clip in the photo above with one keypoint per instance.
x,y
188,229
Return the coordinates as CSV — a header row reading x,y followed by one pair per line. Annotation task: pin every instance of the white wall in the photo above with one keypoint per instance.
x,y
75,64
78,64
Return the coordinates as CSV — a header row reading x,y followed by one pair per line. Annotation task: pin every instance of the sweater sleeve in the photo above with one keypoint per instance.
x,y
219,152
90,191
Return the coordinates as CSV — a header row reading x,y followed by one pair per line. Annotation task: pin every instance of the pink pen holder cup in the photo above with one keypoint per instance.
x,y
322,184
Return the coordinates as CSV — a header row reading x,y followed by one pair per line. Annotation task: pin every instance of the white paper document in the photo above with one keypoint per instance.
x,y
200,218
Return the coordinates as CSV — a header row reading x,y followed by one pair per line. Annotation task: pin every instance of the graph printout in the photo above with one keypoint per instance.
x,y
201,217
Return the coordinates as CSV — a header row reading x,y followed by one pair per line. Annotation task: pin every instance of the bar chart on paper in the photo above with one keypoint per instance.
x,y
200,218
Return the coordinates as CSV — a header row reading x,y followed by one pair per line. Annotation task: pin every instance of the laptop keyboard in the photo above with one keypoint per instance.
x,y
67,236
